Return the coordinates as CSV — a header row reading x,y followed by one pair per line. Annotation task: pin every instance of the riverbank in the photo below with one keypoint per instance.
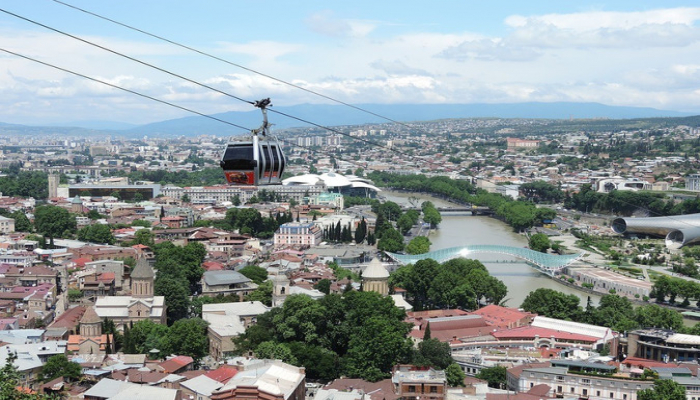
x,y
461,229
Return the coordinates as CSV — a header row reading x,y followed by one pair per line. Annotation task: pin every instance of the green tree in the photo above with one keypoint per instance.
x,y
275,351
430,214
185,198
59,365
22,223
263,294
405,223
653,315
391,241
455,376
236,200
176,294
615,312
74,294
434,353
663,389
96,233
53,221
254,273
144,237
418,245
553,304
495,376
540,242
188,337
324,286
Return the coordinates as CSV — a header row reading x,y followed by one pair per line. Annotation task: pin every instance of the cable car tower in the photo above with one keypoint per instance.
x,y
255,162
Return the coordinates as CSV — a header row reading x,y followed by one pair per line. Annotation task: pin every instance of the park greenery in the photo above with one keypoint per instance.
x,y
519,214
613,311
358,334
185,337
458,283
179,274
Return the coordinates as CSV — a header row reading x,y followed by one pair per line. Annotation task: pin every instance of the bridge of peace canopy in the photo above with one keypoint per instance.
x,y
547,263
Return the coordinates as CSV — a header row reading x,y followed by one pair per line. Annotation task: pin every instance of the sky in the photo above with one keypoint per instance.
x,y
619,53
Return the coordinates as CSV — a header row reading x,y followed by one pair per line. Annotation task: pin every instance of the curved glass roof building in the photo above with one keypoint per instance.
x,y
679,230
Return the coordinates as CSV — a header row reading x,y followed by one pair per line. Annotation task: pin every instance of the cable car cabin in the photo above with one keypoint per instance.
x,y
255,163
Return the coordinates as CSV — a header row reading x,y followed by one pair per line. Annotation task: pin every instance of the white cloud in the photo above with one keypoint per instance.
x,y
326,23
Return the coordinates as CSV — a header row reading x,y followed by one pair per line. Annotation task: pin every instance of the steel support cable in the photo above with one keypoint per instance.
x,y
231,63
123,88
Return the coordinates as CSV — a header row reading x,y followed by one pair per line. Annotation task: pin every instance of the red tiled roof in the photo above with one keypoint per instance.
x,y
80,262
222,374
501,316
176,363
529,332
69,319
435,313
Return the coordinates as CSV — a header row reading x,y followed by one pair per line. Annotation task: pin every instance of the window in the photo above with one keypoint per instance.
x,y
612,395
584,392
433,389
597,392
559,389
411,389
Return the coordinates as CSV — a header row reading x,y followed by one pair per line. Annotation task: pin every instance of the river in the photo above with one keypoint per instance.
x,y
461,230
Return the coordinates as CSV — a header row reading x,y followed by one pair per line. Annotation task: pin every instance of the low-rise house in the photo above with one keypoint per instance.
x,y
110,389
266,380
577,378
226,282
30,359
200,388
177,364
228,320
413,383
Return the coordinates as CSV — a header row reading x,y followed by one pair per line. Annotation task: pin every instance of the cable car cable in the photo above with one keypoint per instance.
x,y
122,88
125,56
232,63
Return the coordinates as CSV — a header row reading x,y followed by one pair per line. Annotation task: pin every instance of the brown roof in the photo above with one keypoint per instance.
x,y
142,269
382,390
90,316
69,319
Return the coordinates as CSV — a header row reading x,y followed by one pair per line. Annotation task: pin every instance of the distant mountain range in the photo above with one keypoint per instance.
x,y
339,115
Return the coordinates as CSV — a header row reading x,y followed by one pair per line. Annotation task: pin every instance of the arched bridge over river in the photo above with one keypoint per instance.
x,y
549,264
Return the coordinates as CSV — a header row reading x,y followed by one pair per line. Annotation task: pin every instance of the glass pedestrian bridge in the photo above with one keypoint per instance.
x,y
547,263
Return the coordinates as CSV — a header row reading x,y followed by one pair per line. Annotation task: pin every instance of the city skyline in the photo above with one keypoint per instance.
x,y
623,54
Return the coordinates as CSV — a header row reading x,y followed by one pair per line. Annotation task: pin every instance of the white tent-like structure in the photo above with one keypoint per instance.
x,y
334,182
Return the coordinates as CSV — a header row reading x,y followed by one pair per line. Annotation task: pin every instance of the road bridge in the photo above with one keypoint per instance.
x,y
549,264
475,210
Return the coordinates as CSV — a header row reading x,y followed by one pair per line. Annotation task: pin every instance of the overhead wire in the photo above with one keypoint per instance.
x,y
231,63
160,100
373,143
125,56
123,88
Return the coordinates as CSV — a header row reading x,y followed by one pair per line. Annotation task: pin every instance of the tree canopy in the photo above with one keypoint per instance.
x,y
54,221
359,334
456,283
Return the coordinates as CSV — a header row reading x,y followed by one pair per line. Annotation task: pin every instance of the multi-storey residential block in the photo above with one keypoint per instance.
x,y
298,234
